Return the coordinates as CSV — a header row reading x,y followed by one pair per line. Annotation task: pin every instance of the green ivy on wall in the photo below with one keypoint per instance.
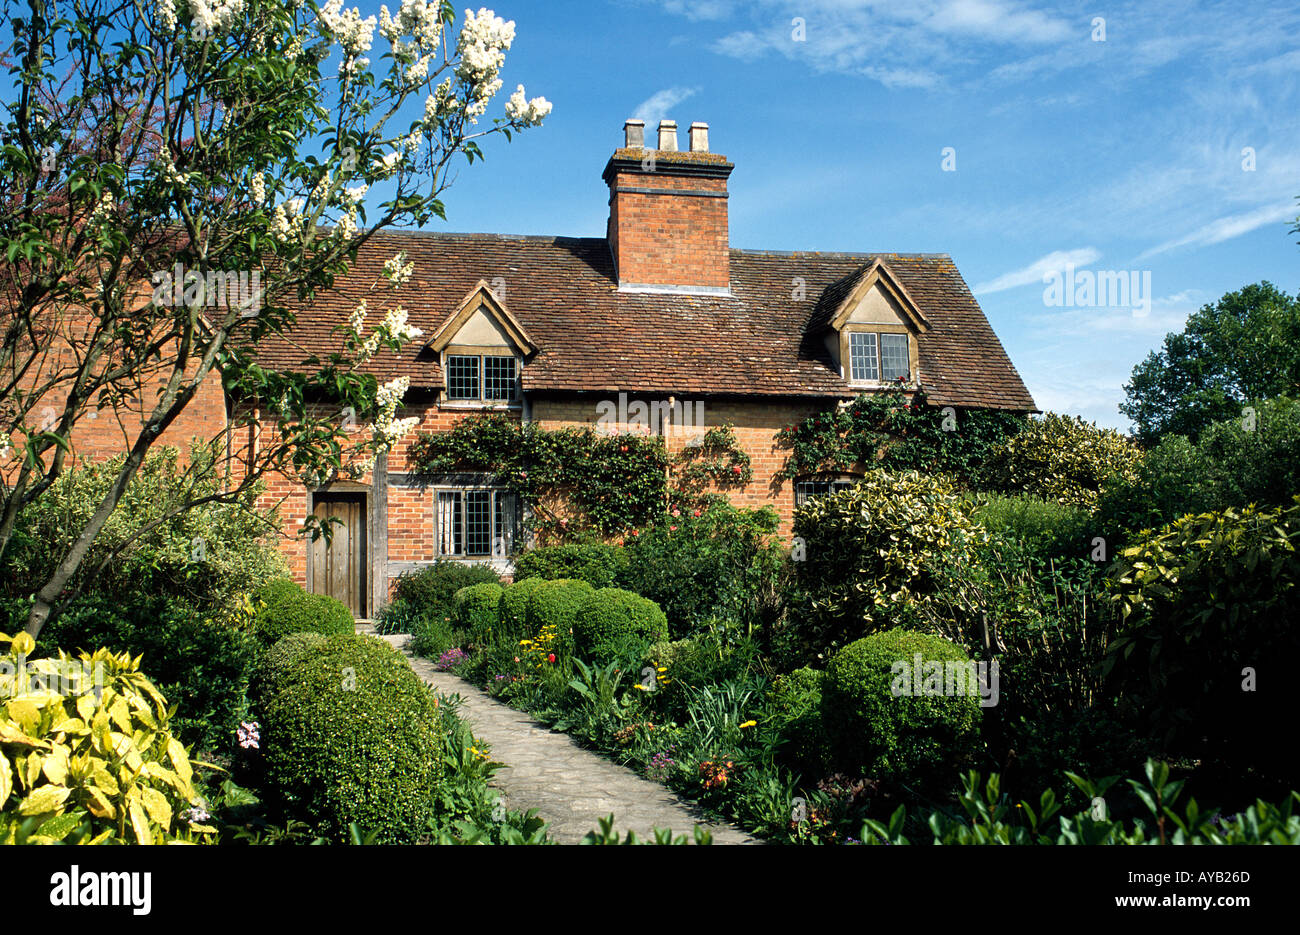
x,y
899,433
612,482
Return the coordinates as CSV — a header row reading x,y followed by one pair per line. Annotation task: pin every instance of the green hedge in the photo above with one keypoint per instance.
x,y
1045,528
476,609
612,623
287,608
512,611
555,604
350,734
598,565
913,737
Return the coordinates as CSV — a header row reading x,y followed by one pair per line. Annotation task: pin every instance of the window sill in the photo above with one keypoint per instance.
x,y
479,405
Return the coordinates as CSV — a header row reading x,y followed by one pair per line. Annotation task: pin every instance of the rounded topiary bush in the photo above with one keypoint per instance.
x,y
554,604
284,653
475,609
611,622
512,611
284,608
795,710
886,722
351,735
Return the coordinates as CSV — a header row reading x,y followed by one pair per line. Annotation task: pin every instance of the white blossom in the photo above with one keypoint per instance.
x,y
358,317
257,185
481,47
397,270
388,164
218,17
415,18
165,11
529,113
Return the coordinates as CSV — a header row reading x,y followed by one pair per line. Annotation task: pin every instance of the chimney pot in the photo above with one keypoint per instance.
x,y
634,134
668,136
699,137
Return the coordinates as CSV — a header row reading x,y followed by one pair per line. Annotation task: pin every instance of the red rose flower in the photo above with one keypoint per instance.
x,y
550,657
735,469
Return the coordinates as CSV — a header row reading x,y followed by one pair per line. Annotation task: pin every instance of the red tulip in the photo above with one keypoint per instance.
x,y
550,657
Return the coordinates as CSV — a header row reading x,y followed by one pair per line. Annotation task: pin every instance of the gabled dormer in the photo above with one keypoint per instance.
x,y
872,333
482,349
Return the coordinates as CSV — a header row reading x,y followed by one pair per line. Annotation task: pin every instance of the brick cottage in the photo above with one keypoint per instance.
x,y
564,331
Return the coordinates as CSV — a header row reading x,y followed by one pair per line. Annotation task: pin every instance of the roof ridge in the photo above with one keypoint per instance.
x,y
569,238
842,255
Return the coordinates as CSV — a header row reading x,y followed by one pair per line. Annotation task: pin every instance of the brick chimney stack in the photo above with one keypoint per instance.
x,y
668,213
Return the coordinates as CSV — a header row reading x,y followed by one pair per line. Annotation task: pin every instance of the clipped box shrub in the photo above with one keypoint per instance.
x,y
512,611
351,734
597,564
795,711
287,608
88,755
612,623
476,609
915,736
279,657
555,604
431,591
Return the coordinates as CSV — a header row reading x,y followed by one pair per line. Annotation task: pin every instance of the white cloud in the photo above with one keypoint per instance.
x,y
1056,261
1226,228
656,107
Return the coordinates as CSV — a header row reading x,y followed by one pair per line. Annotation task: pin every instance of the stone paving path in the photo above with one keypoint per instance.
x,y
571,788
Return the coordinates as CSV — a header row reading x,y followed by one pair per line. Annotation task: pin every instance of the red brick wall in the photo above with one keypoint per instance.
x,y
667,239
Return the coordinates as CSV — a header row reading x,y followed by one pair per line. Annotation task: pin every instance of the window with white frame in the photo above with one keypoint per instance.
x,y
476,522
880,357
482,377
808,487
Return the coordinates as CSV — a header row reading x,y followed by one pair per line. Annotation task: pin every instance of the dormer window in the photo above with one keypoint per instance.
x,y
878,356
873,333
482,377
483,348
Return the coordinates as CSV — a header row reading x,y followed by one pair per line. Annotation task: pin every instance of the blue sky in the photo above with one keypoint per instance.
x,y
1123,154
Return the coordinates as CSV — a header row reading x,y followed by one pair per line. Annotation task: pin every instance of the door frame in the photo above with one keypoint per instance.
x,y
345,492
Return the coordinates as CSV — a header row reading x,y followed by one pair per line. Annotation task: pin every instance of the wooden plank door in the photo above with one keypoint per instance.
x,y
339,567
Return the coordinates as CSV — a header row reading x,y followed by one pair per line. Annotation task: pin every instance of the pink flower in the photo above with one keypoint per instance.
x,y
696,513
248,735
672,528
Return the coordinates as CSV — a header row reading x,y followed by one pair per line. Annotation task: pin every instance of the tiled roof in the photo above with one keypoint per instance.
x,y
764,339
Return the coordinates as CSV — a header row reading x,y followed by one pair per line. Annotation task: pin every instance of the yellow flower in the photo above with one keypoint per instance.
x,y
748,724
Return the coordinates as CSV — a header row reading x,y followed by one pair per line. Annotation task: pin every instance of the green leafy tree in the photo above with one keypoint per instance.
x,y
1244,347
238,139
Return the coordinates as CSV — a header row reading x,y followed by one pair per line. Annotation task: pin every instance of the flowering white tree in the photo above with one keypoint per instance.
x,y
173,173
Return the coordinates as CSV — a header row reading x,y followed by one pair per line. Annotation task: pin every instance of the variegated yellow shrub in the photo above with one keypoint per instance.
x,y
86,754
